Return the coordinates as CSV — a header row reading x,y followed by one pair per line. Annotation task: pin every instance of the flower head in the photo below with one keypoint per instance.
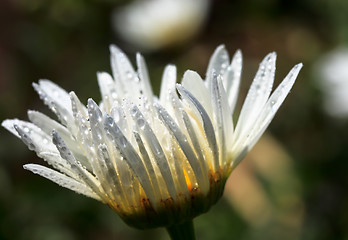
x,y
154,24
155,161
332,74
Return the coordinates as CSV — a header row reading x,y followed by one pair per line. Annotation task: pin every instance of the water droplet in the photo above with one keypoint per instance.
x,y
129,75
31,146
109,121
159,153
123,141
133,111
224,56
86,131
99,118
141,123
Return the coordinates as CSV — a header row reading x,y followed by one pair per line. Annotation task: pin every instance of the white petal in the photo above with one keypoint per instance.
x,y
160,158
57,93
130,156
47,124
194,139
201,176
120,64
168,84
107,88
57,99
126,78
195,85
144,78
272,105
207,124
57,162
257,96
62,180
9,125
114,174
40,142
85,176
149,167
98,139
223,118
218,63
32,136
111,177
232,78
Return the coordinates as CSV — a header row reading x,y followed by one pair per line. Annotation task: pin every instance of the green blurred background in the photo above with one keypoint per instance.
x,y
293,185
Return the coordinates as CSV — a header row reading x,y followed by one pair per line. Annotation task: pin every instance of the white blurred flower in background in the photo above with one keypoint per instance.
x,y
333,77
156,24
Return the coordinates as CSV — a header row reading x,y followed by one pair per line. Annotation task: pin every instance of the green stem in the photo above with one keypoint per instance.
x,y
183,231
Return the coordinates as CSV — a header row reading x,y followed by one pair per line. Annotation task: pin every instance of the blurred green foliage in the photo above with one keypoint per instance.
x,y
67,42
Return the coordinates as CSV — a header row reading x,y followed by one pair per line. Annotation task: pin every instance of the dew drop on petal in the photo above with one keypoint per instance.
x,y
123,141
32,146
133,111
141,123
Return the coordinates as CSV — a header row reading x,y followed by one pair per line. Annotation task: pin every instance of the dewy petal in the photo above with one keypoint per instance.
x,y
194,83
232,78
223,118
207,124
81,132
31,135
40,142
130,155
99,152
194,139
131,86
57,99
62,180
148,164
107,88
272,105
114,188
201,176
55,92
46,124
57,162
218,63
268,112
119,63
156,149
84,175
9,125
144,78
257,96
168,84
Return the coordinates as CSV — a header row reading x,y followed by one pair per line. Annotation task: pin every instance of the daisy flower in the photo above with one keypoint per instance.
x,y
157,162
154,24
